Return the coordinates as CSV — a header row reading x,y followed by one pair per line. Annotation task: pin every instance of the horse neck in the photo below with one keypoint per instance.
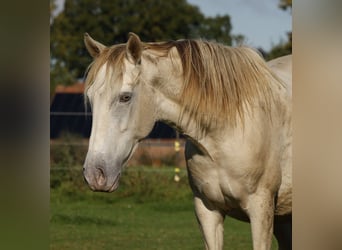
x,y
169,111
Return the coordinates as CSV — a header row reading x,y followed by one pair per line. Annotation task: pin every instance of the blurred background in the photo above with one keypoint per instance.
x,y
153,205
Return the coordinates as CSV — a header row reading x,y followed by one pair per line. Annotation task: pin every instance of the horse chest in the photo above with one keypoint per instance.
x,y
213,184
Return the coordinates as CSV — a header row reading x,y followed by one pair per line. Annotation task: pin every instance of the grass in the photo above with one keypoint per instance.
x,y
149,211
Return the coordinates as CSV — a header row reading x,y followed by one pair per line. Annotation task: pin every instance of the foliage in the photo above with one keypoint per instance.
x,y
52,5
285,4
216,29
281,49
66,159
60,74
143,183
110,22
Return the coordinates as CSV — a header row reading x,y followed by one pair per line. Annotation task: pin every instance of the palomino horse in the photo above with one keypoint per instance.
x,y
234,109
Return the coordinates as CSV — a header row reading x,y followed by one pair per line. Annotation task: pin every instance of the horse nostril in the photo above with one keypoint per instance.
x,y
100,177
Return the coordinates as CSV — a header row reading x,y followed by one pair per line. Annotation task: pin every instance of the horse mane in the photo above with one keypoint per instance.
x,y
220,82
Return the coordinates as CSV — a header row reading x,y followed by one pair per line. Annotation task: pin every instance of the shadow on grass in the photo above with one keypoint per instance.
x,y
81,220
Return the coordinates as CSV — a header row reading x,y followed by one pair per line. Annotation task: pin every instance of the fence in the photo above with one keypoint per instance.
x,y
150,152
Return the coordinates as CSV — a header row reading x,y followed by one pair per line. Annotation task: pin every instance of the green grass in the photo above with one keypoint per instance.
x,y
149,211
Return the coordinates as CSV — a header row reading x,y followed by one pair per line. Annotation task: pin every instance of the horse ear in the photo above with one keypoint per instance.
x,y
134,48
94,47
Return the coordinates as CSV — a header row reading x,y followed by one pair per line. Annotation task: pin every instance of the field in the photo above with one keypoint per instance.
x,y
148,211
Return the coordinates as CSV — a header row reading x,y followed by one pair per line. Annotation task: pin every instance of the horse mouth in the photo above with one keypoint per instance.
x,y
115,184
124,162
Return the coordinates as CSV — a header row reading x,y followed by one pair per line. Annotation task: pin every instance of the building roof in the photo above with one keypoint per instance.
x,y
77,88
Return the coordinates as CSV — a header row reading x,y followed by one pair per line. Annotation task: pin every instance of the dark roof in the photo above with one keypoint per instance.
x,y
67,113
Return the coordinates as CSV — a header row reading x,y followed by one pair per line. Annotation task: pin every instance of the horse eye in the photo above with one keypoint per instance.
x,y
125,97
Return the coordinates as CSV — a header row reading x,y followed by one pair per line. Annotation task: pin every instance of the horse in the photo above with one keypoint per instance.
x,y
234,110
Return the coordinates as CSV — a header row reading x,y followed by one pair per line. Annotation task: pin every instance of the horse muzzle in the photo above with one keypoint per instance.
x,y
100,179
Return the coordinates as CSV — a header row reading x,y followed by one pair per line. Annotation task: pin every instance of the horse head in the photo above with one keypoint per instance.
x,y
123,110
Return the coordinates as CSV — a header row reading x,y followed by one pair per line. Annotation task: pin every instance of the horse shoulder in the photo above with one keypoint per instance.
x,y
234,167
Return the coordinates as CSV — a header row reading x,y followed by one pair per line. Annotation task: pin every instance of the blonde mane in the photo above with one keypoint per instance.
x,y
220,82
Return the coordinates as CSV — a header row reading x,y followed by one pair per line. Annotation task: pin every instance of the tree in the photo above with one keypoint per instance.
x,y
283,48
110,22
285,4
52,5
216,29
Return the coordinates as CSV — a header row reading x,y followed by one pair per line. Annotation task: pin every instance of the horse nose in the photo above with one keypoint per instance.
x,y
100,177
95,177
